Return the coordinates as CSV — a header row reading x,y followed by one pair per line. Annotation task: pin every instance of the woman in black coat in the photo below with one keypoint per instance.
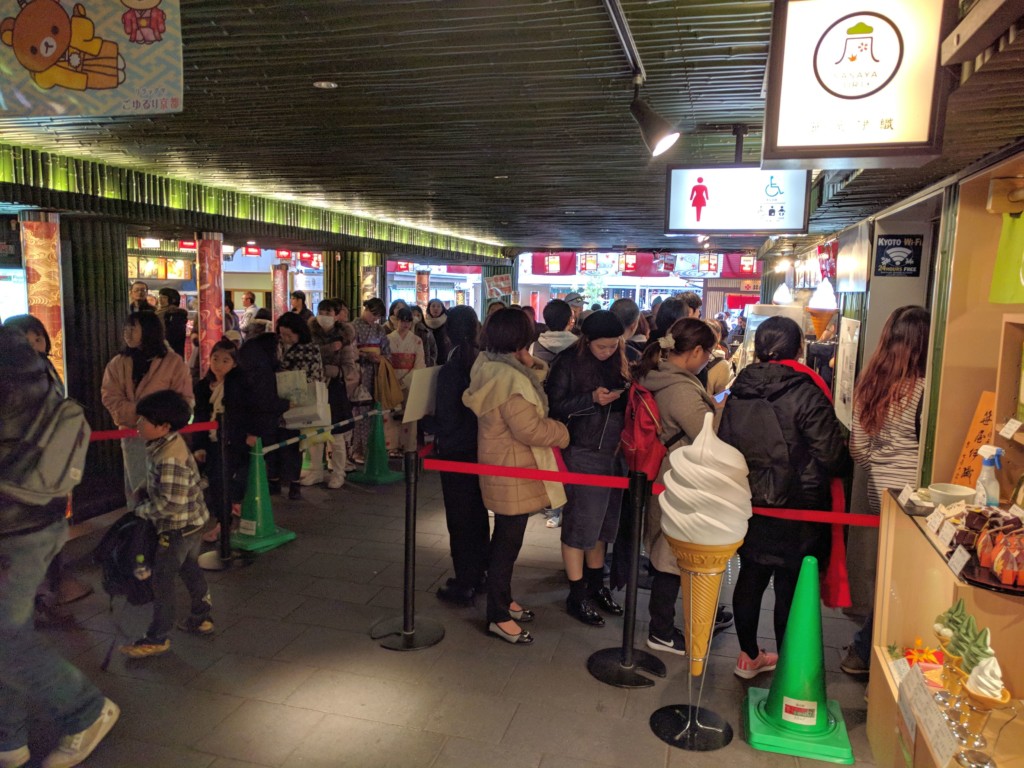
x,y
259,362
455,432
780,417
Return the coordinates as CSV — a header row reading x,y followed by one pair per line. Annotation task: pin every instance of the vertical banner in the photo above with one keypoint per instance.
x,y
210,261
40,253
422,288
846,369
369,283
279,283
968,466
90,58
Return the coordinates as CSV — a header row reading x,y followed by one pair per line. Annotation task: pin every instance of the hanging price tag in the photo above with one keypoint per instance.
x,y
946,533
959,559
1010,429
905,495
935,520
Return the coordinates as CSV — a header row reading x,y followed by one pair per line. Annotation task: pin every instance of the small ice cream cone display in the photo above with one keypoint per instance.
x,y
701,568
704,514
984,686
822,307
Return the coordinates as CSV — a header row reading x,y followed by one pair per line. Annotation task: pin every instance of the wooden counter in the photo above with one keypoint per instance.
x,y
914,586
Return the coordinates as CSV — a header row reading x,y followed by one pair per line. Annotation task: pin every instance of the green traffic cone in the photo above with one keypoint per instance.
x,y
376,470
256,530
794,717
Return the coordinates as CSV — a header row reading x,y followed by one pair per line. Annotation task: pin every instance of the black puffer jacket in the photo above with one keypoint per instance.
x,y
454,426
787,430
24,384
570,387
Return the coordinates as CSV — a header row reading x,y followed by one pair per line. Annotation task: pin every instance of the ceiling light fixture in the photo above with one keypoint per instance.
x,y
658,133
326,85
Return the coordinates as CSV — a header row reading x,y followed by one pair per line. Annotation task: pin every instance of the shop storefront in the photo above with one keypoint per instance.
x,y
603,277
453,284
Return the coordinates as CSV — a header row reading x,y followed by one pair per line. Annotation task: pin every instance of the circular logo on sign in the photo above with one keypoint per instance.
x,y
858,55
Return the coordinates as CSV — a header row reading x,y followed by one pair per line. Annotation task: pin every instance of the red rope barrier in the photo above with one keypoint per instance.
x,y
603,481
117,434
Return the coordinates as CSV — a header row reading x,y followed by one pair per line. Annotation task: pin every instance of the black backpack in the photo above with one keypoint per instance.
x,y
130,542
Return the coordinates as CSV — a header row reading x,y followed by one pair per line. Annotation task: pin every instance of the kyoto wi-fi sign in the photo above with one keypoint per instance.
x,y
90,59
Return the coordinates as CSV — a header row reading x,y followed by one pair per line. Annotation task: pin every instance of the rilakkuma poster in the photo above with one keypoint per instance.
x,y
94,58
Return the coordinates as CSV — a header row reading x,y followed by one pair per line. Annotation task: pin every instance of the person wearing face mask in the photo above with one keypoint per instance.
x,y
585,389
145,365
298,353
436,320
332,335
669,369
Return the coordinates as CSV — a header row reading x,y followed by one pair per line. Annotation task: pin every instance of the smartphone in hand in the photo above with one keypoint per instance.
x,y
720,397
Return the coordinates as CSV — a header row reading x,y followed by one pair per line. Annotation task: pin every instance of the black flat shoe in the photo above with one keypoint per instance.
x,y
606,603
294,492
585,611
524,615
523,638
456,595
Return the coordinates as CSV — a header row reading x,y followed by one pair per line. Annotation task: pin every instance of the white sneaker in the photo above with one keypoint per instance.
x,y
337,480
75,747
14,758
312,478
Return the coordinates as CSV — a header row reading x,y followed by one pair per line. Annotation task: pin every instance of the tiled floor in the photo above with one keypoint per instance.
x,y
292,678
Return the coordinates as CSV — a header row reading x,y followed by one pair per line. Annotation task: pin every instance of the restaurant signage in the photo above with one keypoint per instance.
x,y
736,199
855,90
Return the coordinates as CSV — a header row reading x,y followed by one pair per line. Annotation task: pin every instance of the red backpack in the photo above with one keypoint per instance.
x,y
641,433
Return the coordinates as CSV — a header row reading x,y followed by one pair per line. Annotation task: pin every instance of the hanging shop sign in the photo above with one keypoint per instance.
x,y
898,255
856,90
698,265
498,285
735,199
101,58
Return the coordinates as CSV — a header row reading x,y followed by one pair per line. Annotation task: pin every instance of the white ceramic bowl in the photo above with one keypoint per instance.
x,y
949,493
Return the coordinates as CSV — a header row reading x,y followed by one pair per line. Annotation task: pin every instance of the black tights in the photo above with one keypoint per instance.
x,y
746,602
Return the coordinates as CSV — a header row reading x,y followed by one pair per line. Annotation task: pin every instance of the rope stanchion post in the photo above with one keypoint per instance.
x,y
402,633
223,557
621,667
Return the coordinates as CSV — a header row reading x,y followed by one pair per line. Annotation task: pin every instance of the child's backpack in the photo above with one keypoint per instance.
x,y
130,543
48,461
641,433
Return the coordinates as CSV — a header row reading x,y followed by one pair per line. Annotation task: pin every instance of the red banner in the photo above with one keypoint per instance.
x,y
210,262
279,282
40,249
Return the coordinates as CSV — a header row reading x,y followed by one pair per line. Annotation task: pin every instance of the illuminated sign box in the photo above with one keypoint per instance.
x,y
856,90
736,199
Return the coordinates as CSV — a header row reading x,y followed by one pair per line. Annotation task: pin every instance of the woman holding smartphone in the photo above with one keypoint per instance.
x,y
585,391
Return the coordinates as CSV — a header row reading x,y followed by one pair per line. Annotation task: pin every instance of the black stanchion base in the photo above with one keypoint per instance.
x,y
606,665
677,726
212,561
425,633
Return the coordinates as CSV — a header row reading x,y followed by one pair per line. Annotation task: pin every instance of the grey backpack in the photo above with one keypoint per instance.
x,y
49,459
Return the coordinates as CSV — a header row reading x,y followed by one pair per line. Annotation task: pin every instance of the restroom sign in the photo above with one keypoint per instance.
x,y
898,255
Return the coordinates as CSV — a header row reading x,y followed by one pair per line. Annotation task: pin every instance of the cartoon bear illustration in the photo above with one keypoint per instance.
x,y
61,50
143,22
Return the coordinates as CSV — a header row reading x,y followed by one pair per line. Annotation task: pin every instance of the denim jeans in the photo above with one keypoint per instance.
x,y
133,453
177,555
32,674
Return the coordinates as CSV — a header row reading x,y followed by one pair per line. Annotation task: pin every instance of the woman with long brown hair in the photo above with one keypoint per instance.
x,y
585,391
886,430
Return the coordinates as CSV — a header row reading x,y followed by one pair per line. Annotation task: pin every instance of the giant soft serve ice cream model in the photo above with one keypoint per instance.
x,y
704,514
822,307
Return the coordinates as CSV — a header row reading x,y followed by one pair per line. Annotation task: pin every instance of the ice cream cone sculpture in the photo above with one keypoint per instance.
x,y
820,319
704,514
701,568
984,686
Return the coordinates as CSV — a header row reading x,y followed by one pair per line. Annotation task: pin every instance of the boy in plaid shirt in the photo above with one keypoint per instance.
x,y
172,500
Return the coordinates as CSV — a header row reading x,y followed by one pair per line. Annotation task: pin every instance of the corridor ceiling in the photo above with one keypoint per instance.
x,y
502,120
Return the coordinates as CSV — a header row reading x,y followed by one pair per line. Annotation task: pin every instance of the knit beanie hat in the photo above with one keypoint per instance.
x,y
602,325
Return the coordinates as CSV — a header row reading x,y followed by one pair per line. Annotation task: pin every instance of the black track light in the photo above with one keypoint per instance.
x,y
658,133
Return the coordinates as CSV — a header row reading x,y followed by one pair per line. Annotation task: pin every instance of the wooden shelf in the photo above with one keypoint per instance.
x,y
918,587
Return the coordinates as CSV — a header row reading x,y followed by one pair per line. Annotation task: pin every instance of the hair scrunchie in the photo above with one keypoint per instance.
x,y
667,341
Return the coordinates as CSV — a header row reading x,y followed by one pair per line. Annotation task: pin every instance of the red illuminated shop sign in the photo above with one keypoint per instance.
x,y
251,250
187,245
281,254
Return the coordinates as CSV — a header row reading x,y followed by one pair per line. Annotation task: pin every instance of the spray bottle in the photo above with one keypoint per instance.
x,y
986,492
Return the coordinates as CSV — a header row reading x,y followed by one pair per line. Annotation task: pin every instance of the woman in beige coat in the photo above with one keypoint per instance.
x,y
513,430
145,365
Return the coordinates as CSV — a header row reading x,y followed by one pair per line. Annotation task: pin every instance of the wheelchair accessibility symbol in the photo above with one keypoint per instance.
x,y
772,189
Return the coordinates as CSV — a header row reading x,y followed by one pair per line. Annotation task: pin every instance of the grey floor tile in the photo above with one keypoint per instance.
x,y
271,604
600,738
345,742
368,698
347,566
252,636
115,752
260,732
341,590
465,753
251,677
470,671
564,688
483,717
338,615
